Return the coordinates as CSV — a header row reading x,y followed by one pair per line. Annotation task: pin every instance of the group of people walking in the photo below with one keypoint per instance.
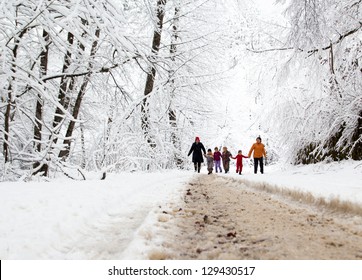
x,y
215,158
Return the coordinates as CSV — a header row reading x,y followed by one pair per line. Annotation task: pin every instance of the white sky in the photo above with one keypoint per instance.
x,y
269,8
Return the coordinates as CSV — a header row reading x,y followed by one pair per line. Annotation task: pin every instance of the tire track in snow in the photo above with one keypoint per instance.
x,y
221,218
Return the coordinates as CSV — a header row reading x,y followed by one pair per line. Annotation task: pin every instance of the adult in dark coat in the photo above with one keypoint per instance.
x,y
197,148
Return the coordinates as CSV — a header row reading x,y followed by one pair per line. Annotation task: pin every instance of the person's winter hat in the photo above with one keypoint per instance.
x,y
197,139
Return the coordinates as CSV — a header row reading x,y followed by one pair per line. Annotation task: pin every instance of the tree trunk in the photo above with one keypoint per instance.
x,y
39,106
171,111
63,96
7,115
150,80
7,126
82,140
64,153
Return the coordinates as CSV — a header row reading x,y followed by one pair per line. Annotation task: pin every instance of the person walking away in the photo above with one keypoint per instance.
x,y
217,159
196,149
226,159
259,151
210,161
239,161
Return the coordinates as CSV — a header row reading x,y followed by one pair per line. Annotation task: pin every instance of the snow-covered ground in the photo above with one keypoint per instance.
x,y
118,218
92,219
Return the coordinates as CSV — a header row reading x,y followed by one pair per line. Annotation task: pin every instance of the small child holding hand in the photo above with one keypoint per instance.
x,y
217,159
210,160
239,161
226,159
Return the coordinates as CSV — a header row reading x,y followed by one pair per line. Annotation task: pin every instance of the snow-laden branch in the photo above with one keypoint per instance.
x,y
339,40
95,71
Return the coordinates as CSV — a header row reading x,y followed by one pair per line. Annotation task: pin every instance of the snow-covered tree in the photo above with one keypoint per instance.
x,y
51,52
73,77
311,80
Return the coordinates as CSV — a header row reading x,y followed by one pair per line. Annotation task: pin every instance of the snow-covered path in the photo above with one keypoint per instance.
x,y
222,218
131,215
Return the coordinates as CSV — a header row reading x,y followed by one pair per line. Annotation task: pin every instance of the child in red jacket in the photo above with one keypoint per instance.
x,y
239,161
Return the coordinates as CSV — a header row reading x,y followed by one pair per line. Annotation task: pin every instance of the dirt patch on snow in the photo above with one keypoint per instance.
x,y
222,218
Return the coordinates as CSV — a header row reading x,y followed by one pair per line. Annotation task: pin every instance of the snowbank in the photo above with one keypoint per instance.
x,y
91,219
341,180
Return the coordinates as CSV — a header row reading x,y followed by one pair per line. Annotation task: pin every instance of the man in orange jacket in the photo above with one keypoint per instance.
x,y
259,152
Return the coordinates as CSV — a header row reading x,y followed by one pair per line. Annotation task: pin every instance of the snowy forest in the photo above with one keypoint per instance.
x,y
120,85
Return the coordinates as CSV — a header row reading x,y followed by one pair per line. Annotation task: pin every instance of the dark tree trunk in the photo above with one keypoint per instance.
x,y
7,125
39,106
150,80
63,96
9,105
64,153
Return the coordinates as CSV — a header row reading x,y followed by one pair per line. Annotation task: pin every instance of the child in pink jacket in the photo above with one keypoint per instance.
x,y
217,159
